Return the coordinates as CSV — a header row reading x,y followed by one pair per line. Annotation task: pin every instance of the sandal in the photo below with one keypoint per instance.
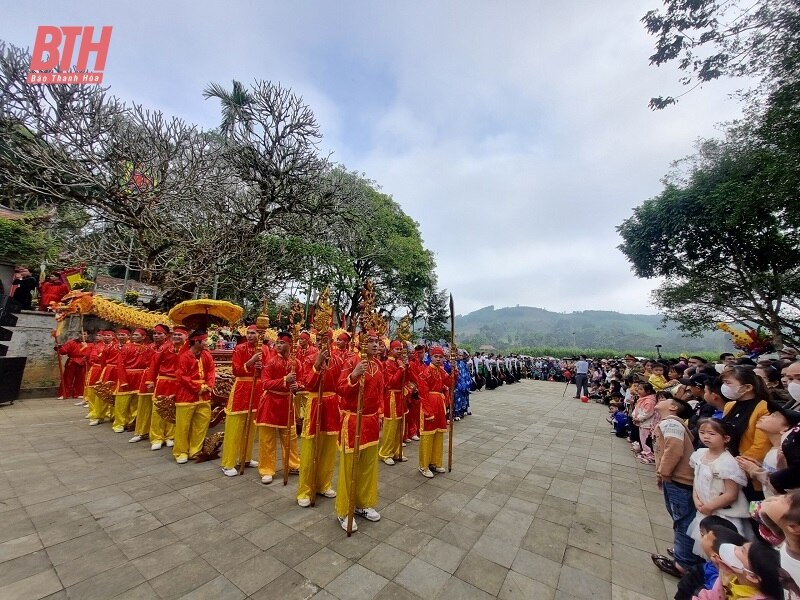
x,y
647,460
667,565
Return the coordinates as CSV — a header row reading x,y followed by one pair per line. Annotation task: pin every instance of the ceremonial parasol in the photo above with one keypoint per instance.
x,y
199,314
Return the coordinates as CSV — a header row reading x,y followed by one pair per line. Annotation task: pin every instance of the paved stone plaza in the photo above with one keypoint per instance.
x,y
526,513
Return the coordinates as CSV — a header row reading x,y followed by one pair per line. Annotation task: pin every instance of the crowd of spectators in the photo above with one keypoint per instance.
x,y
724,441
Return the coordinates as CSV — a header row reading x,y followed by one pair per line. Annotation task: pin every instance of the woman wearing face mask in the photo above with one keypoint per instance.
x,y
747,397
771,376
790,378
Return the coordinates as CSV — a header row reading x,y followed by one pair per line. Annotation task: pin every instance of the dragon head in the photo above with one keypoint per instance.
x,y
74,303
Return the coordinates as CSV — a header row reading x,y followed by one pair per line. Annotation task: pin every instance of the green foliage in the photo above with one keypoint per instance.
x,y
437,316
711,39
725,236
23,241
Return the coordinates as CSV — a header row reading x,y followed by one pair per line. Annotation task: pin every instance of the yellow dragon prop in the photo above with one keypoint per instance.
x,y
113,311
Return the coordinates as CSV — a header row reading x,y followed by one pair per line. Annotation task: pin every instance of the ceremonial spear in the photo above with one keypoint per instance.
x,y
322,321
453,368
295,314
404,335
365,320
262,322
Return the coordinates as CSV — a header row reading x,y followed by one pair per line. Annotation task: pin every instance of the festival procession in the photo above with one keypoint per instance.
x,y
319,401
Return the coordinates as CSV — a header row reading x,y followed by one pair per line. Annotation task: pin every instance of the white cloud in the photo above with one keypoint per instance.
x,y
517,134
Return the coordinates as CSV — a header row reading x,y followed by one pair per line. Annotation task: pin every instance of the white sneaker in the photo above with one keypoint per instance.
x,y
388,461
266,479
182,459
118,429
331,493
304,502
170,443
253,463
404,444
456,418
343,523
94,422
370,514
134,439
230,472
85,404
440,469
61,398
401,459
80,397
415,438
155,446
78,403
426,473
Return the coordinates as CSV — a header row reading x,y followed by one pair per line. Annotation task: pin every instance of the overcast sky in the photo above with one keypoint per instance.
x,y
516,133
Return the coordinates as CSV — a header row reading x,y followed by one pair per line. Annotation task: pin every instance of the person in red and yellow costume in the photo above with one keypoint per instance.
x,y
52,289
394,405
326,370
245,361
366,488
433,389
77,352
342,345
94,375
132,361
415,369
162,380
196,377
144,407
275,416
114,343
306,354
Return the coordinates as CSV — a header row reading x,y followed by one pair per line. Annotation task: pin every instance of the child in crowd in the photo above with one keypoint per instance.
x,y
657,379
714,530
618,420
673,444
776,425
642,417
750,571
718,480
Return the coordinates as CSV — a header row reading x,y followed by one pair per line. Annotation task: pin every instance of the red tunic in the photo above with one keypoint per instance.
x,y
51,292
164,369
373,399
330,419
273,408
75,351
433,390
194,371
109,361
95,360
132,361
394,404
239,398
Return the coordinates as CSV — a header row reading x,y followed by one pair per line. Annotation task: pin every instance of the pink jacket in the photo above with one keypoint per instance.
x,y
644,410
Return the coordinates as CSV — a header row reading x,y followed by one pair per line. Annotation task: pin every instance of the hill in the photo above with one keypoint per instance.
x,y
529,327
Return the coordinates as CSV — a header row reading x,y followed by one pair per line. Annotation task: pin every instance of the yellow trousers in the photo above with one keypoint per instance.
x,y
97,408
232,442
322,480
124,409
267,449
390,439
160,430
191,427
431,446
143,414
366,488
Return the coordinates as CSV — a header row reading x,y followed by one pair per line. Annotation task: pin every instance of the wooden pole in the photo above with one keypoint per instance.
x,y
453,367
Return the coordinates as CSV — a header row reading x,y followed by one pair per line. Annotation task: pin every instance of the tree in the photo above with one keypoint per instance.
x,y
437,315
712,39
725,236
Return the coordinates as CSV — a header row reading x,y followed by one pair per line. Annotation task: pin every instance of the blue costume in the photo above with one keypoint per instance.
x,y
461,397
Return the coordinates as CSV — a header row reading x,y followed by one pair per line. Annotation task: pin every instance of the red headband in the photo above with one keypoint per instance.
x,y
252,328
125,331
180,329
305,335
285,337
198,337
140,331
437,351
344,336
395,344
161,329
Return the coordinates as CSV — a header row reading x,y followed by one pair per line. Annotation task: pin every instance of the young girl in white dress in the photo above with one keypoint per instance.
x,y
718,481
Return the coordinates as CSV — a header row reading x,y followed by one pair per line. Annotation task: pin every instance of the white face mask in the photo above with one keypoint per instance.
x,y
731,392
794,389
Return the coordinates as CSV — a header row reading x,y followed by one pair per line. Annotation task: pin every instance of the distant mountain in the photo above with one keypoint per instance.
x,y
529,327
